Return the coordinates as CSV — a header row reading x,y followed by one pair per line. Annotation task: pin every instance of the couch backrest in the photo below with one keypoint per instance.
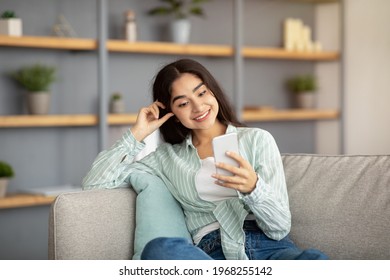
x,y
340,204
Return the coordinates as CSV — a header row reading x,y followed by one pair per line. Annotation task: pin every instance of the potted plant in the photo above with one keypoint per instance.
x,y
304,88
181,10
36,80
6,172
117,105
9,24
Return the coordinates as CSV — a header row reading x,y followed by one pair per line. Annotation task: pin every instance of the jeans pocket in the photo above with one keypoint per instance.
x,y
210,242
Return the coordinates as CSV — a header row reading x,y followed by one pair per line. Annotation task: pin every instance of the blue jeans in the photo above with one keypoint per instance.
x,y
257,247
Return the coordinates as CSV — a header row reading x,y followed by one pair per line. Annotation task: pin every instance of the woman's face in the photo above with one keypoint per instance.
x,y
193,104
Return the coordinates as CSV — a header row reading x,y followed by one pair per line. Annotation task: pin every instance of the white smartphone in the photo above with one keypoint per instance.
x,y
222,144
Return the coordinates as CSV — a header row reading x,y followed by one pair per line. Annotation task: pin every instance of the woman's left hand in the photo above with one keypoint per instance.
x,y
244,179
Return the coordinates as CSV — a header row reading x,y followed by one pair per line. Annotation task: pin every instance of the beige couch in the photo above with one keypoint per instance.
x,y
339,204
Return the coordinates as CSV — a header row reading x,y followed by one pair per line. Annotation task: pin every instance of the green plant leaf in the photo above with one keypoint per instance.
x,y
179,8
35,78
6,170
8,14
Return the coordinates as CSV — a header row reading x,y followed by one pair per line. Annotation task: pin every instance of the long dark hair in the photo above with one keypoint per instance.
x,y
172,131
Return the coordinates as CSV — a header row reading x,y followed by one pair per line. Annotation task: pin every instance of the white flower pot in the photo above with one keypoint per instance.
x,y
11,27
3,186
38,103
305,100
180,31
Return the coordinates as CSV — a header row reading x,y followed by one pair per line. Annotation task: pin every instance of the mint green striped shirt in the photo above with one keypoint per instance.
x,y
177,165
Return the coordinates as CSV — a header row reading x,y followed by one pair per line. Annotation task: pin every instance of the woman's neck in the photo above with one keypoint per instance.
x,y
204,137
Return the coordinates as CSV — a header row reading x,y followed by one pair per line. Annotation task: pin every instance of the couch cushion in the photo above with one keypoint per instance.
x,y
158,214
340,204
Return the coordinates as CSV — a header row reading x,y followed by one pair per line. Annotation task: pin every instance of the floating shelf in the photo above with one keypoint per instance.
x,y
62,120
274,53
162,48
48,120
288,115
25,200
127,119
169,48
48,42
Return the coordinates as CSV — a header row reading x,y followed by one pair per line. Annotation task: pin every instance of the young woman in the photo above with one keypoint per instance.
x,y
244,216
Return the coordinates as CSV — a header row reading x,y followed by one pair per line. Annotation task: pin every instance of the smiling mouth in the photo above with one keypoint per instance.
x,y
203,116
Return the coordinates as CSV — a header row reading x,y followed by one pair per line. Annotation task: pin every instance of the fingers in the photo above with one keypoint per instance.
x,y
244,179
164,118
155,108
148,120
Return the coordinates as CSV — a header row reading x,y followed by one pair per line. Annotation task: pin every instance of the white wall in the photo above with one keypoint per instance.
x,y
328,27
367,77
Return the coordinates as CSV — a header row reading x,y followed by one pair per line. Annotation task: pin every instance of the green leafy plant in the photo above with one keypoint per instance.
x,y
305,83
116,96
180,9
8,14
6,170
35,78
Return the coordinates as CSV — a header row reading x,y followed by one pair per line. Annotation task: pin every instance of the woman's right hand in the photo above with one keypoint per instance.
x,y
147,120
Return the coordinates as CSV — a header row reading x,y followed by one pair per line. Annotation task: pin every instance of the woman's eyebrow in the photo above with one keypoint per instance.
x,y
183,96
177,97
197,87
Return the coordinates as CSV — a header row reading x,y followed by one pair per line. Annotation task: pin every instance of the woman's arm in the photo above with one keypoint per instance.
x,y
269,200
260,182
111,167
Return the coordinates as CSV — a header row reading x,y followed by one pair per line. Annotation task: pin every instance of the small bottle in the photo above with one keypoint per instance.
x,y
130,27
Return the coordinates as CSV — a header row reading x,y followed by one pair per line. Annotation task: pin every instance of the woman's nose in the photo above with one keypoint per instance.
x,y
197,106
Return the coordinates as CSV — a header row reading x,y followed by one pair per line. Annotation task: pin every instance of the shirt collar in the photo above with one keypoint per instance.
x,y
230,128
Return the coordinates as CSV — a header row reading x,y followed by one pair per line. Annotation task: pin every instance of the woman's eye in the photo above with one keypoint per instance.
x,y
202,93
183,104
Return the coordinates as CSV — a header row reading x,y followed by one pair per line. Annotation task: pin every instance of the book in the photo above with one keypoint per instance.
x,y
51,190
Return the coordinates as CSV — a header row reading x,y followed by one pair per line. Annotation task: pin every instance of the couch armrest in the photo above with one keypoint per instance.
x,y
96,224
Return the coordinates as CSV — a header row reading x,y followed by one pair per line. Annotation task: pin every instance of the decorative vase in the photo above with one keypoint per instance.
x,y
11,27
117,106
305,100
3,186
180,31
38,103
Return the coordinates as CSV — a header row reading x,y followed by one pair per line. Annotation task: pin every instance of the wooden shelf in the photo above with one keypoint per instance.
x,y
47,120
274,53
122,119
162,48
62,120
169,48
48,42
315,1
127,119
25,200
288,115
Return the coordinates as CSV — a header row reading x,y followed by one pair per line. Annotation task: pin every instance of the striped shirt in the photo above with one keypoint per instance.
x,y
177,165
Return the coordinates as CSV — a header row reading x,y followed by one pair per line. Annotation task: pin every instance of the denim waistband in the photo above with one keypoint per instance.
x,y
250,225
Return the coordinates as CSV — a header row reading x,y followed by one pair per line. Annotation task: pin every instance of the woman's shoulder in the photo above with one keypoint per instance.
x,y
165,147
253,132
